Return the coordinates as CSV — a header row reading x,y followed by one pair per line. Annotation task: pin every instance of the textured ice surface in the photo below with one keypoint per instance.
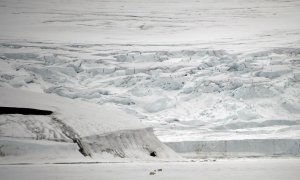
x,y
189,95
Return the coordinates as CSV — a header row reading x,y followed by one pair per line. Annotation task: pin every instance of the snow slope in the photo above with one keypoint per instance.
x,y
97,130
86,118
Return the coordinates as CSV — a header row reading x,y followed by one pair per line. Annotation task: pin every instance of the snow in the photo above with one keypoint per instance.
x,y
248,169
21,150
193,70
237,148
36,127
86,118
101,132
234,24
207,91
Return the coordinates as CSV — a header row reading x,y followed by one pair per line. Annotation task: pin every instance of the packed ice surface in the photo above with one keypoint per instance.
x,y
248,169
194,70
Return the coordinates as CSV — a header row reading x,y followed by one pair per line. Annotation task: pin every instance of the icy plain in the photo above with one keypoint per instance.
x,y
247,169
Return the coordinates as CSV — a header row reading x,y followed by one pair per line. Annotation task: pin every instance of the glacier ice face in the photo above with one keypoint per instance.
x,y
237,148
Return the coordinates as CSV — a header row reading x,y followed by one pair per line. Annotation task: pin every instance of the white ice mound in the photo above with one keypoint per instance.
x,y
98,131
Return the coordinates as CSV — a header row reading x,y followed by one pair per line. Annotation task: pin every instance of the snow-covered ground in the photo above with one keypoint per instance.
x,y
140,24
196,71
75,131
247,169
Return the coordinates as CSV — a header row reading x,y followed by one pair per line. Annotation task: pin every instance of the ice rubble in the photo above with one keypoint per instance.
x,y
99,131
212,94
199,95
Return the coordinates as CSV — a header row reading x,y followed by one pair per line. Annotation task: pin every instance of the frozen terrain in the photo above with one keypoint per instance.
x,y
71,131
200,72
157,24
247,169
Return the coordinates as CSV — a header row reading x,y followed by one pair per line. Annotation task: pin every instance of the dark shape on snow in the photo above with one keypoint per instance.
x,y
24,111
153,154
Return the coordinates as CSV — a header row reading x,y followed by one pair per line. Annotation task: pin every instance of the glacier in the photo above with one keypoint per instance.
x,y
203,74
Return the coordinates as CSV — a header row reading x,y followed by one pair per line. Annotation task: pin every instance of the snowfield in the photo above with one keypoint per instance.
x,y
158,24
248,169
211,77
